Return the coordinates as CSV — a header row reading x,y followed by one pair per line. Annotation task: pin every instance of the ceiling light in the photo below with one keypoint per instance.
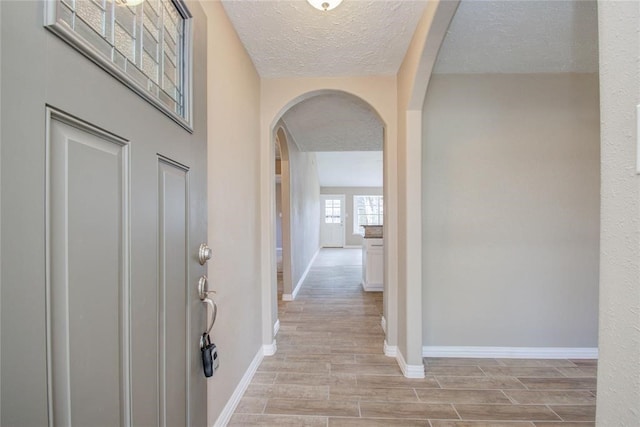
x,y
324,4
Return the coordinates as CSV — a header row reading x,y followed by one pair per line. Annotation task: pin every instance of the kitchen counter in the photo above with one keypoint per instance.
x,y
373,264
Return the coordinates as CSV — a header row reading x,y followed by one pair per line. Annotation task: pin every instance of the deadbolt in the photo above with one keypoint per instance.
x,y
204,253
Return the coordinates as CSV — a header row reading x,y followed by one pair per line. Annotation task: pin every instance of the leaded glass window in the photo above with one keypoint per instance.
x,y
145,45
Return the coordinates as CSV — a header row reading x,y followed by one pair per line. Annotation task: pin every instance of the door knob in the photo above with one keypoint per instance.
x,y
204,253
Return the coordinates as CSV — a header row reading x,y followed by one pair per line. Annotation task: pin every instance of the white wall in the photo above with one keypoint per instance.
x,y
619,365
304,209
511,210
234,196
351,239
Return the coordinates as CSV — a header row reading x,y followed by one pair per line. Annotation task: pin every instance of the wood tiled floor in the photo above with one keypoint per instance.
x,y
330,371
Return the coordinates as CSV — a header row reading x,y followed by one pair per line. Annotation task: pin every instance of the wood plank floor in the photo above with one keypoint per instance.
x,y
330,370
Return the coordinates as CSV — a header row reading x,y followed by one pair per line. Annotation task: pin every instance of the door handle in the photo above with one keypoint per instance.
x,y
214,312
203,288
203,294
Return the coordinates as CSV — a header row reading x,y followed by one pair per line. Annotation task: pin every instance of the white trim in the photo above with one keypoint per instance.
x,y
377,287
512,352
292,296
232,403
409,371
276,327
353,246
269,349
390,350
383,323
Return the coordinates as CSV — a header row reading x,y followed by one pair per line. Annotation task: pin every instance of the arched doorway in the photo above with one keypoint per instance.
x,y
278,134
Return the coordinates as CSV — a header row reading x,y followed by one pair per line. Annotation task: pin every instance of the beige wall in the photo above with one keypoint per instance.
x,y
351,239
511,210
234,235
619,365
413,78
304,209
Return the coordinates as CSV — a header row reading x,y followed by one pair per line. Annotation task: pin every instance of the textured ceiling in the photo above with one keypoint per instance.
x,y
289,38
521,37
350,169
334,122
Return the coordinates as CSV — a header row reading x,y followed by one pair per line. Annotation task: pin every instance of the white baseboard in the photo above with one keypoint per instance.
x,y
512,352
368,287
269,349
383,323
353,247
409,371
232,403
276,327
390,350
292,296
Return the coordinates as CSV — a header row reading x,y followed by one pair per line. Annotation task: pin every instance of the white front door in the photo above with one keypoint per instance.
x,y
332,221
103,211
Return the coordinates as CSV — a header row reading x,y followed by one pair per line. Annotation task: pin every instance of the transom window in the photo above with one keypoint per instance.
x,y
368,210
144,45
332,211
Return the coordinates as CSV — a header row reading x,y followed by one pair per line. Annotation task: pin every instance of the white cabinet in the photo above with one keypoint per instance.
x,y
373,264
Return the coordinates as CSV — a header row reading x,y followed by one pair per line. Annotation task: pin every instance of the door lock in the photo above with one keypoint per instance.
x,y
204,253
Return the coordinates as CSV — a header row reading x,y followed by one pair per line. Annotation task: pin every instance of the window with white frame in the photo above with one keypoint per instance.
x,y
143,43
332,211
367,210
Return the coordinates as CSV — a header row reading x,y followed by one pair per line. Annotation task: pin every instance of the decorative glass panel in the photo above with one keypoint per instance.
x,y
92,14
145,42
125,43
150,66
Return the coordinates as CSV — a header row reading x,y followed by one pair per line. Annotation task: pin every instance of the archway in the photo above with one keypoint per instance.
x,y
376,97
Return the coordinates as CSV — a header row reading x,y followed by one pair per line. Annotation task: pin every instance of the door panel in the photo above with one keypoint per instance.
x,y
173,293
87,288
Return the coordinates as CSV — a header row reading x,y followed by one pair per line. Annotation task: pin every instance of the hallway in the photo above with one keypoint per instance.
x,y
330,370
